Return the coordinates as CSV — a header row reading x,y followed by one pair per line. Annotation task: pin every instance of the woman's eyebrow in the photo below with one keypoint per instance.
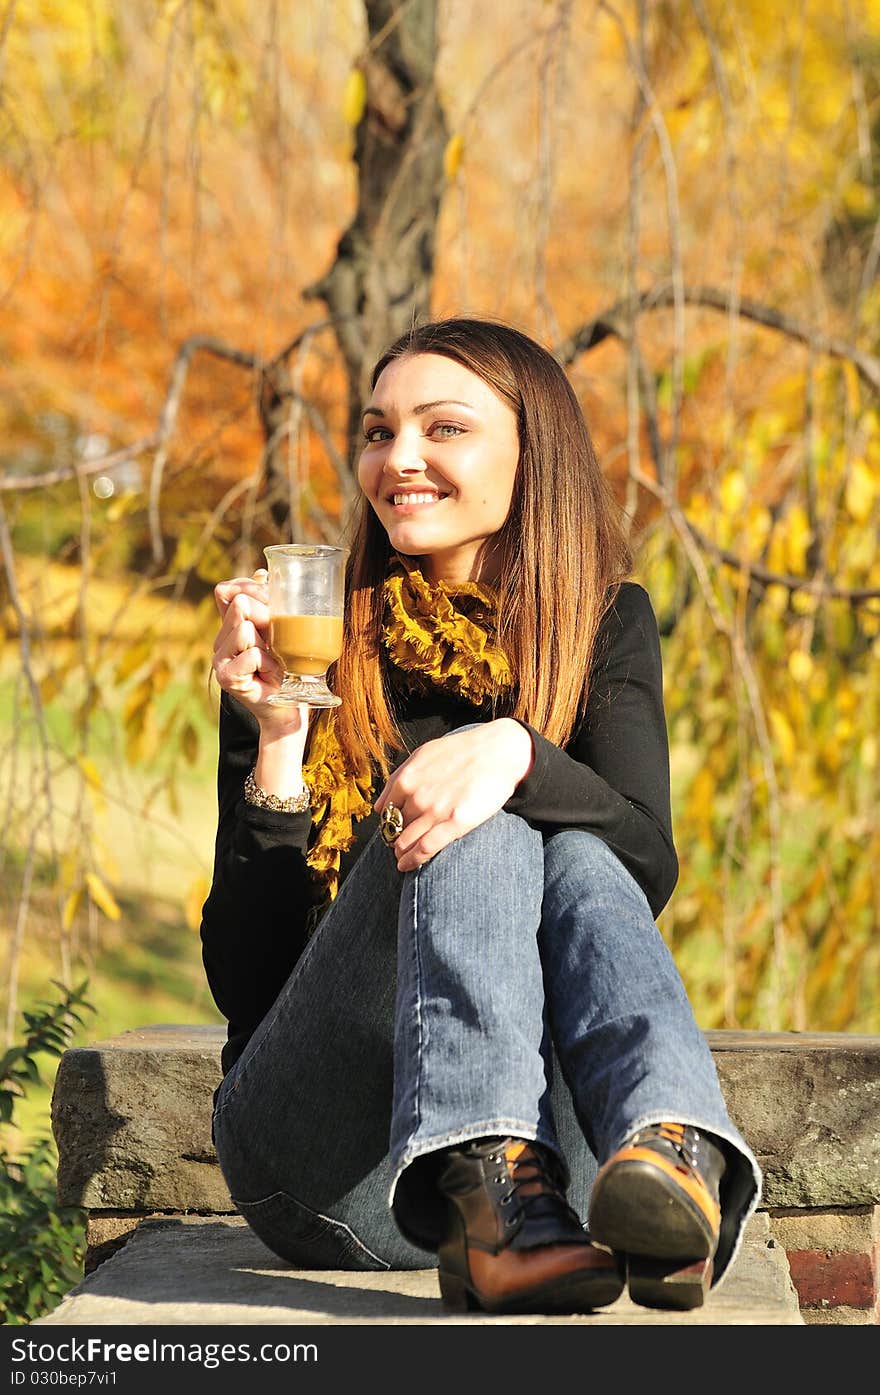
x,y
422,407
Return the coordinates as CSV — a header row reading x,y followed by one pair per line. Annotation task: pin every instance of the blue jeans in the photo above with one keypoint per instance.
x,y
515,984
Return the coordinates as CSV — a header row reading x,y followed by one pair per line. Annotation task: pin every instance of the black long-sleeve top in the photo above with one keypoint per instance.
x,y
612,779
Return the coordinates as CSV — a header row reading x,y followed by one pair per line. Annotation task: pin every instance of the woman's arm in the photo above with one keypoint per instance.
x,y
254,922
613,777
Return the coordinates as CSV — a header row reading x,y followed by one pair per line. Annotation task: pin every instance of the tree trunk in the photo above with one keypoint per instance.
x,y
381,278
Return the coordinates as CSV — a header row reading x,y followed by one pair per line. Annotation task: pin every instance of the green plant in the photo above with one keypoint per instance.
x,y
42,1244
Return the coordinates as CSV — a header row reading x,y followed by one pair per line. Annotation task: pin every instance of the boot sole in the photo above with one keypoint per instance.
x,y
572,1293
636,1209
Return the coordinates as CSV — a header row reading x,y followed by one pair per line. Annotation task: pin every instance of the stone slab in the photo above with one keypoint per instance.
x,y
809,1105
131,1117
214,1271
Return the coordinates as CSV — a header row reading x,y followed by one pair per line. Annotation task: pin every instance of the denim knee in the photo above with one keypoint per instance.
x,y
576,861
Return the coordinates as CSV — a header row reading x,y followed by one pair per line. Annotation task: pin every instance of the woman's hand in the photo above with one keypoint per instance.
x,y
243,663
453,784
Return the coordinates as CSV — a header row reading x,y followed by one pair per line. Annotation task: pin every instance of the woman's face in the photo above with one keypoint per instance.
x,y
439,463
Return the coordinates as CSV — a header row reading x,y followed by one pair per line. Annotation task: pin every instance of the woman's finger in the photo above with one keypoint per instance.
x,y
226,591
423,848
241,609
237,672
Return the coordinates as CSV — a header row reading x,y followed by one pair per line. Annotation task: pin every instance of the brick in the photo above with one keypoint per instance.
x,y
824,1278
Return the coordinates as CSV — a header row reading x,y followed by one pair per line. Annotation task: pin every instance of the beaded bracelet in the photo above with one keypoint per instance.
x,y
294,804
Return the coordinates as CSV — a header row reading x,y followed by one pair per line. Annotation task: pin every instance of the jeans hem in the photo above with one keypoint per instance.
x,y
487,1128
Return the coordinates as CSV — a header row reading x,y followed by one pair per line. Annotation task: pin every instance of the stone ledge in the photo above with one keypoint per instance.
x,y
192,1271
132,1118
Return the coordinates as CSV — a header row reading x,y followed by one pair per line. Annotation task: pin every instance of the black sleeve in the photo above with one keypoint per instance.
x,y
254,921
613,776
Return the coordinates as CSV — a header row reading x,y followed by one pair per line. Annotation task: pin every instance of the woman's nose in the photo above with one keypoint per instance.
x,y
403,455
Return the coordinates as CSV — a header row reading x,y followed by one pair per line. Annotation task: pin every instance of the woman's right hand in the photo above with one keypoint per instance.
x,y
243,663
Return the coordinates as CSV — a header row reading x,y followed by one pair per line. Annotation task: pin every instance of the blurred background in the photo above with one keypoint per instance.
x,y
212,218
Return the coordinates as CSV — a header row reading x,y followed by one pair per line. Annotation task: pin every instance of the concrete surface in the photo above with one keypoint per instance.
x,y
213,1270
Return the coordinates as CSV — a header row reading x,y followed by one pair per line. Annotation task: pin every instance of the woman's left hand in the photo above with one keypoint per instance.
x,y
453,784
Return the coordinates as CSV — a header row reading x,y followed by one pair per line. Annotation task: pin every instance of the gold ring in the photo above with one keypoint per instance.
x,y
390,824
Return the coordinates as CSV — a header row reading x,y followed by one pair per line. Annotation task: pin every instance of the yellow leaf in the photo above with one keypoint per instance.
x,y
70,870
759,521
804,602
161,676
847,698
141,740
861,491
354,97
452,156
90,772
702,798
858,199
133,658
136,704
868,752
732,492
49,687
800,666
851,379
71,906
776,598
102,896
196,897
785,737
797,539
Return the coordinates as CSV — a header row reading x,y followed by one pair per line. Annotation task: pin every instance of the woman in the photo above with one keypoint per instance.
x,y
438,1025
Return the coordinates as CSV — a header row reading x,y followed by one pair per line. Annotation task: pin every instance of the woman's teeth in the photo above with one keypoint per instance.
x,y
416,498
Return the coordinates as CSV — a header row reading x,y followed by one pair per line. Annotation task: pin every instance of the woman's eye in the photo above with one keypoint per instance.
x,y
446,429
377,433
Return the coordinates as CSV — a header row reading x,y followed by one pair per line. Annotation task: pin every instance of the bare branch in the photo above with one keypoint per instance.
x,y
609,323
673,218
16,484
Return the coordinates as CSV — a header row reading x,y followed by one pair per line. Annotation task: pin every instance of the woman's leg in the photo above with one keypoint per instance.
x,y
471,1048
628,1043
473,1086
302,1120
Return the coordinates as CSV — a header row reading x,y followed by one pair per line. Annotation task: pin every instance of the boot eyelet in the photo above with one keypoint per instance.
x,y
500,1179
510,1222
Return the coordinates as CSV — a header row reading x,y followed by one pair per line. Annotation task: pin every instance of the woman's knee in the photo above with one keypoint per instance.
x,y
578,863
503,838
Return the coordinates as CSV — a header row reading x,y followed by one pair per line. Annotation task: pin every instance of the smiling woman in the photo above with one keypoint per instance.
x,y
440,473
454,1027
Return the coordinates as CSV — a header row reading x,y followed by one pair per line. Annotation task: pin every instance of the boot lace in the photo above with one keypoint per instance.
x,y
536,1183
684,1138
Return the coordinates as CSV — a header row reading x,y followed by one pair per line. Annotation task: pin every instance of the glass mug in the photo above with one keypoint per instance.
x,y
306,601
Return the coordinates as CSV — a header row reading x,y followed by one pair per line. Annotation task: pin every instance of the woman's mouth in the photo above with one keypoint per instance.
x,y
413,500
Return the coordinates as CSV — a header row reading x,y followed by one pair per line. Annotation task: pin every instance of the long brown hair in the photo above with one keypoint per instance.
x,y
563,551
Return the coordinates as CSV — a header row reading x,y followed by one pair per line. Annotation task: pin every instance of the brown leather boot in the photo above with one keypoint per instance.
x,y
655,1203
513,1244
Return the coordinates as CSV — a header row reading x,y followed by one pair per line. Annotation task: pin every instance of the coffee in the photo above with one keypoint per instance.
x,y
306,644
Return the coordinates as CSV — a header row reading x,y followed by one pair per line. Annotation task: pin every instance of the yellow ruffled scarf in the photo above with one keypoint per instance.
x,y
436,635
